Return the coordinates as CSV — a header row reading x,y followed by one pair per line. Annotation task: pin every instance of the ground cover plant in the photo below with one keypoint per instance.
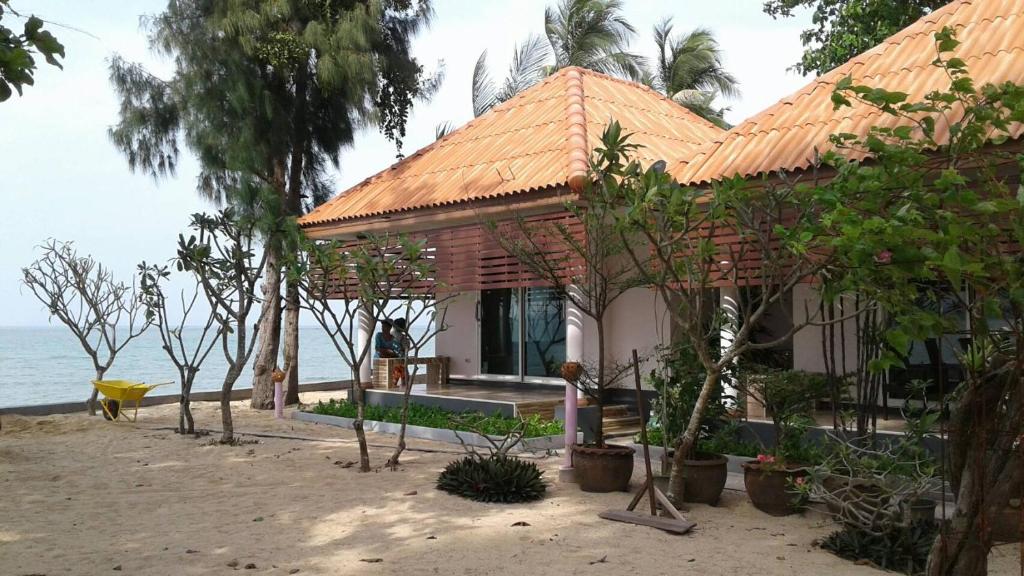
x,y
502,479
431,417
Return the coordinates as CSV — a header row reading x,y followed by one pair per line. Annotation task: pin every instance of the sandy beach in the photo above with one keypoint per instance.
x,y
85,496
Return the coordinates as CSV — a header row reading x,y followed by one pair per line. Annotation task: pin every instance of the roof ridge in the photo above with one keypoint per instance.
x,y
576,130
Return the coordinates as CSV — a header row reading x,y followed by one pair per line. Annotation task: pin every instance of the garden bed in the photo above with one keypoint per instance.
x,y
429,423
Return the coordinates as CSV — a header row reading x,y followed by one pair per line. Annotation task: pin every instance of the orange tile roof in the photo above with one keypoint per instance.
x,y
539,139
786,135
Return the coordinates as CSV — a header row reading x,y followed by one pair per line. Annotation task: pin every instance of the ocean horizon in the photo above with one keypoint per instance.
x,y
46,365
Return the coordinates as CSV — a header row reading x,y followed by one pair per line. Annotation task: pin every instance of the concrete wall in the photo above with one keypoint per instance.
x,y
637,319
461,342
808,354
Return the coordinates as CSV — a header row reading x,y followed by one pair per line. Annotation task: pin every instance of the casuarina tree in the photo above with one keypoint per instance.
x,y
268,94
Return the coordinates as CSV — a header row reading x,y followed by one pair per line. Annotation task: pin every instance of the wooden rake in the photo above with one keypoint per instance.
x,y
676,523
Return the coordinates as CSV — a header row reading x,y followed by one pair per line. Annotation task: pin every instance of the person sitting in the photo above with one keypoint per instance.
x,y
386,344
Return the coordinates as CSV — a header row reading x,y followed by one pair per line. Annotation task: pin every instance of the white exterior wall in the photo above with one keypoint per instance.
x,y
461,341
808,354
637,319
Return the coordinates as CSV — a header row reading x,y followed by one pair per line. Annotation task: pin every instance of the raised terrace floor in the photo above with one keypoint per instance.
x,y
506,398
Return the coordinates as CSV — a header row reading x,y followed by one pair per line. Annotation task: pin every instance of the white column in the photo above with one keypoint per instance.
x,y
573,353
364,338
728,301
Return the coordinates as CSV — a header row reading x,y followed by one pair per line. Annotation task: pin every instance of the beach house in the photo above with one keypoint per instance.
x,y
527,156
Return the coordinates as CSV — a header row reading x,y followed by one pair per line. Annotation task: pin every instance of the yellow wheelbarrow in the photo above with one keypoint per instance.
x,y
117,394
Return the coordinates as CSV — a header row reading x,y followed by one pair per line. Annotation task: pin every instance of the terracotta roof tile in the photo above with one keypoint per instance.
x,y
537,140
785,135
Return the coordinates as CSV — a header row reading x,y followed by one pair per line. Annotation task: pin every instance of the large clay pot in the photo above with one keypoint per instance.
x,y
605,469
705,478
771,490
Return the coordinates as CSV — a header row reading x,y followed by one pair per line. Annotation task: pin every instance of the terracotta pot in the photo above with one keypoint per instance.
x,y
771,491
705,478
605,469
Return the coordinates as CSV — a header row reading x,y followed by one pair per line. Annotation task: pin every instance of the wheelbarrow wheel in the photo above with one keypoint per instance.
x,y
113,407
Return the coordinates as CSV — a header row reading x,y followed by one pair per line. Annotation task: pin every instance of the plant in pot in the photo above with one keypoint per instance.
x,y
581,254
877,489
773,481
678,384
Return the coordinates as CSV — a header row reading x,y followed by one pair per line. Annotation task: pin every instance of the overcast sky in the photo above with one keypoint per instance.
x,y
61,178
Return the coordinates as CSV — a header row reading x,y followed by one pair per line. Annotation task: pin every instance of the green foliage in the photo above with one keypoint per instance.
x,y
17,64
499,479
905,550
678,382
592,34
266,94
431,417
726,439
845,28
689,70
789,396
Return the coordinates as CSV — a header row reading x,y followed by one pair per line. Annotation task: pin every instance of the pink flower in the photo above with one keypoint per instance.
x,y
884,257
800,480
765,459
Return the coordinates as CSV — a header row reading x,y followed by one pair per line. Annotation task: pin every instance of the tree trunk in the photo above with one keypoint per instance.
x,y
228,429
293,207
291,342
186,425
269,335
686,443
357,424
90,404
394,460
599,425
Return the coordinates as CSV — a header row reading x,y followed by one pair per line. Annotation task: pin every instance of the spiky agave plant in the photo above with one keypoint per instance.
x,y
501,479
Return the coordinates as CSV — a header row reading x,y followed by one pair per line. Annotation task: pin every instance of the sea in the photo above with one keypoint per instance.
x,y
46,365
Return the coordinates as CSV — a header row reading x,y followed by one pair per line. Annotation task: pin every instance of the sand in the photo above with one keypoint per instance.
x,y
79,495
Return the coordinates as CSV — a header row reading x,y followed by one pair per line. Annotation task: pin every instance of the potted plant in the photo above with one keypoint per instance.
x,y
678,384
600,467
774,480
584,257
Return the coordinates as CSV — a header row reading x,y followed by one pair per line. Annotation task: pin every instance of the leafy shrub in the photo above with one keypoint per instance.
x,y
432,417
501,479
905,549
725,440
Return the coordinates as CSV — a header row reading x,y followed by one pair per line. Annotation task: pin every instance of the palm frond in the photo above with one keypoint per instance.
x,y
484,92
443,129
527,68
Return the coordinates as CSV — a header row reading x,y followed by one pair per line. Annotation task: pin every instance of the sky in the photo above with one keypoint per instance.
x,y
61,178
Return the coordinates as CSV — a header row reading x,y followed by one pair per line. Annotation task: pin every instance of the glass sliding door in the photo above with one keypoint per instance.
x,y
544,317
500,332
522,332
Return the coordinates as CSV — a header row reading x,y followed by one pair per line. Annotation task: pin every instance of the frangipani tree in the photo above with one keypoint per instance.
x,y
224,255
937,217
759,237
103,314
584,259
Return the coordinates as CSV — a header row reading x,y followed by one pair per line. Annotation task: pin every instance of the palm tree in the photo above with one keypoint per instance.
x,y
527,68
592,34
689,70
588,33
